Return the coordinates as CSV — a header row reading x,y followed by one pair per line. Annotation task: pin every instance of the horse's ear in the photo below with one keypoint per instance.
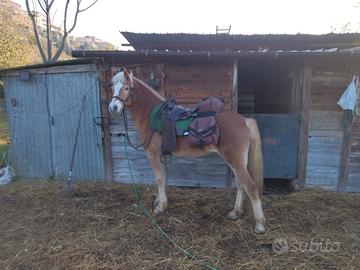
x,y
113,71
126,74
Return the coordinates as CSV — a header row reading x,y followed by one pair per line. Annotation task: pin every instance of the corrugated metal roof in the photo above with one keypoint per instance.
x,y
221,42
53,64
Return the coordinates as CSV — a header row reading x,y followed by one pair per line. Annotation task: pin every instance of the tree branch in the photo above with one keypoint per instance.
x,y
37,39
51,3
63,40
48,30
84,9
68,31
41,6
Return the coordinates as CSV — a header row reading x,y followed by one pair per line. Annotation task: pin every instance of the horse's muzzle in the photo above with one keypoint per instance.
x,y
116,107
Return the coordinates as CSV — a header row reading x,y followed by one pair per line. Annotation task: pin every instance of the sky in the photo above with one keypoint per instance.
x,y
107,17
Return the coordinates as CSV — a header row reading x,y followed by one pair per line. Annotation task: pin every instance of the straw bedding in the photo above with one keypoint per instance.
x,y
99,226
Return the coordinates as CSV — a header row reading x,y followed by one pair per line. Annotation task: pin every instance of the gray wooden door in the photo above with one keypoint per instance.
x,y
326,134
28,117
65,94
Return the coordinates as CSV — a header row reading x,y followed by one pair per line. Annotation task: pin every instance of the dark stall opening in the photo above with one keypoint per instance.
x,y
266,93
265,90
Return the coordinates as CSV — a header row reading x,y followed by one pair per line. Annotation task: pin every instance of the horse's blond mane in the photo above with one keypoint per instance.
x,y
119,78
152,90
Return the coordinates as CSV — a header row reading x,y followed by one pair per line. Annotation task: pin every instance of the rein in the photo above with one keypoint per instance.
x,y
144,144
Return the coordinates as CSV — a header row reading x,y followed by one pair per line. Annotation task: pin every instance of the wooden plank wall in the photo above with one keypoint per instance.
x,y
326,127
189,84
353,182
139,163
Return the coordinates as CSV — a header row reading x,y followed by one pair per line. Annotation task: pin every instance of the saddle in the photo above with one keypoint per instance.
x,y
198,125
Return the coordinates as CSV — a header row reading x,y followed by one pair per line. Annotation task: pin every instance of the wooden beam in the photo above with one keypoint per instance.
x,y
303,81
105,75
160,75
233,108
348,138
234,89
345,151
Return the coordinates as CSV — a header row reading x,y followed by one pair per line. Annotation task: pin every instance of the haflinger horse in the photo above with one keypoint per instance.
x,y
238,145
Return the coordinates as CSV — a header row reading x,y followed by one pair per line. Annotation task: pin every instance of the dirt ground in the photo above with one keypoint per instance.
x,y
100,227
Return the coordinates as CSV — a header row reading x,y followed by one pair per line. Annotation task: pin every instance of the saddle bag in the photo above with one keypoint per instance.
x,y
204,130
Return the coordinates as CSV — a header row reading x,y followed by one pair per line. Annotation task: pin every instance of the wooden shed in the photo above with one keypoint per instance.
x,y
289,83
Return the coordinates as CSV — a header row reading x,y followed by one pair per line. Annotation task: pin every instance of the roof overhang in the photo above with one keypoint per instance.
x,y
163,56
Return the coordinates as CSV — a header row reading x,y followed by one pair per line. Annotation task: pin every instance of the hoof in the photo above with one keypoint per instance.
x,y
259,228
158,211
232,215
159,207
156,202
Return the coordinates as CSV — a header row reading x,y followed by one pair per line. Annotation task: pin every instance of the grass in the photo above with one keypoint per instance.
x,y
4,135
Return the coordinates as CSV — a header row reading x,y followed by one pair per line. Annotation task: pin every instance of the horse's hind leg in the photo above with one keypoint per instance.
x,y
244,179
160,203
238,207
238,162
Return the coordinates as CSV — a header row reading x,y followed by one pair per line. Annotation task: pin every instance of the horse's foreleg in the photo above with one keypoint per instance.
x,y
160,203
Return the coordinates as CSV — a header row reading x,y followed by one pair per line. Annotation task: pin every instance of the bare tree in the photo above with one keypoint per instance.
x,y
67,25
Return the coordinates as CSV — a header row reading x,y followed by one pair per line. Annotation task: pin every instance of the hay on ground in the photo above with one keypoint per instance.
x,y
100,227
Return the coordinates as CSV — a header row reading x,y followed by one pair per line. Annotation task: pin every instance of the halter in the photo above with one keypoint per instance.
x,y
130,95
147,141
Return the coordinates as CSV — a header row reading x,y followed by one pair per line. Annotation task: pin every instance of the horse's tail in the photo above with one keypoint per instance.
x,y
255,163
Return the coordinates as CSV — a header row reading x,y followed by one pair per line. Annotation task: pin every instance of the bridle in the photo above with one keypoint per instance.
x,y
130,95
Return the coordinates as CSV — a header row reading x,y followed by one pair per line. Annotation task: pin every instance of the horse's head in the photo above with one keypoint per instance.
x,y
122,87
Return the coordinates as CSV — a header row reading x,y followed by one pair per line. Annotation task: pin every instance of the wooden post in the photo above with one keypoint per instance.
x,y
233,108
345,151
234,90
105,74
347,142
303,78
160,75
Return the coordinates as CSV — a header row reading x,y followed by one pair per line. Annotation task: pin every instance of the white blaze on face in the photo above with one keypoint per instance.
x,y
116,106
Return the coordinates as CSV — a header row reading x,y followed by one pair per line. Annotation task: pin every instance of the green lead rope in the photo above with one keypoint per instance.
x,y
153,221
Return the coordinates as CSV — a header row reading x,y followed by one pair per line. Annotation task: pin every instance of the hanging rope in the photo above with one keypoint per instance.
x,y
7,172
